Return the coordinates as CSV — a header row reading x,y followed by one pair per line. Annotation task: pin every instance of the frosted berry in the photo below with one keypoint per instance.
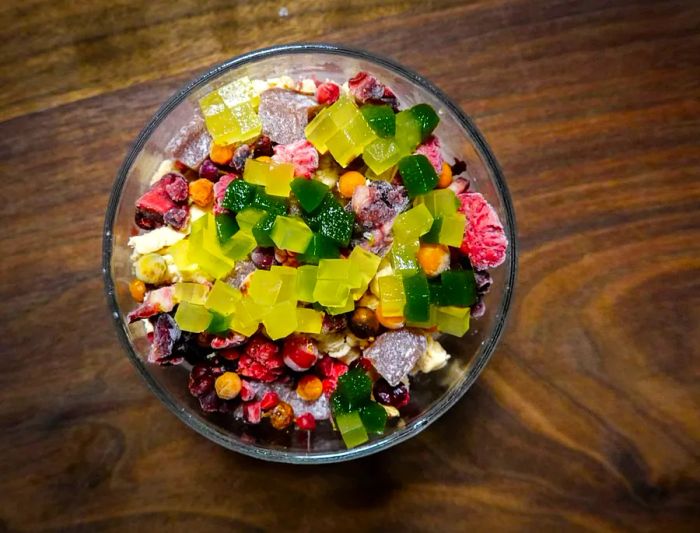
x,y
306,422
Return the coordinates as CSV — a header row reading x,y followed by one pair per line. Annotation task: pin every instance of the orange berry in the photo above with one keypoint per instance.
x,y
282,415
445,177
227,385
348,182
137,289
389,322
202,192
433,258
221,155
310,388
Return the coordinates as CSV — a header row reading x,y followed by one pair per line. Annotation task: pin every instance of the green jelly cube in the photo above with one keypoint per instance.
x,y
240,245
348,306
262,230
364,267
338,269
219,323
309,320
281,320
453,320
433,236
425,324
373,417
226,226
320,129
381,119
335,222
319,248
310,193
223,298
418,174
339,405
391,295
440,202
289,233
452,230
417,308
331,293
382,154
238,195
426,117
244,319
355,386
403,256
192,317
351,429
279,179
413,223
194,293
265,287
306,281
408,131
288,275
458,288
266,202
249,217
256,172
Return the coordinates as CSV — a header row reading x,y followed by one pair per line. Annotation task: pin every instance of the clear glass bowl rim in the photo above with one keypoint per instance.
x,y
433,412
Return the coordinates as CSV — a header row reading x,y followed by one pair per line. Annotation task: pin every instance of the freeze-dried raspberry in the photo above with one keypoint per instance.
x,y
220,191
327,93
301,154
366,89
331,368
261,360
252,412
484,241
430,148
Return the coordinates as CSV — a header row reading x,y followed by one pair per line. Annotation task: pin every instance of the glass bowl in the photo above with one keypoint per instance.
x,y
431,394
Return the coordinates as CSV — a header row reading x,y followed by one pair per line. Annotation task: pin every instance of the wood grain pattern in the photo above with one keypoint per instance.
x,y
587,418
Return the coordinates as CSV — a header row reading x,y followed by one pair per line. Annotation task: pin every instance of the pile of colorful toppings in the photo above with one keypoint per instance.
x,y
303,250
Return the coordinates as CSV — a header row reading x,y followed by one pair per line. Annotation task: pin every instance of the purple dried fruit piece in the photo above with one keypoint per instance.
x,y
192,143
175,186
263,147
176,217
165,334
208,170
284,114
395,353
240,155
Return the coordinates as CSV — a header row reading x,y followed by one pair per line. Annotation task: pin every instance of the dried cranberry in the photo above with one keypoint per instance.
x,y
242,153
327,93
175,186
483,281
210,402
249,367
263,257
203,385
331,368
331,324
262,147
264,351
458,167
230,354
366,89
165,334
269,400
395,396
252,412
176,217
247,393
479,308
199,371
329,385
148,219
208,170
363,363
306,422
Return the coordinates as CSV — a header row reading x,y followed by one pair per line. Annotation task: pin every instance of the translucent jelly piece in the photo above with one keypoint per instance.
x,y
192,317
256,172
391,295
320,129
381,119
180,254
431,322
238,195
262,230
418,174
309,320
265,287
219,323
279,179
228,119
194,293
433,236
338,269
306,281
335,222
247,122
426,117
310,193
291,234
348,306
458,287
240,245
343,111
417,308
351,429
249,217
382,154
440,202
373,417
403,256
226,226
364,267
284,114
320,247
395,353
239,91
355,386
244,321
452,230
281,320
350,140
209,238
408,131
266,202
413,223
453,320
288,275
331,293
223,298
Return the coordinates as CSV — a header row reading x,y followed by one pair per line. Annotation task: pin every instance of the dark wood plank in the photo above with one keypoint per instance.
x,y
587,417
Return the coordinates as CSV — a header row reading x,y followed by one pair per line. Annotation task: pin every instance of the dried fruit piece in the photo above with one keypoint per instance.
x,y
396,396
227,385
281,416
202,192
137,289
306,422
395,353
484,241
364,323
269,400
301,154
300,352
284,114
327,93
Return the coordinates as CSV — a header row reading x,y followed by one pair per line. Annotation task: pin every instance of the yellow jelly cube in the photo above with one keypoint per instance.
x,y
348,306
343,111
192,317
364,267
309,320
391,295
281,320
452,230
223,298
264,287
306,281
452,320
194,293
381,154
331,292
243,322
179,252
239,91
240,245
320,129
289,233
339,269
288,276
230,114
256,172
279,179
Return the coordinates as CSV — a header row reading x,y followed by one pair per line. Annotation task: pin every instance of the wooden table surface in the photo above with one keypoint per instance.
x,y
587,418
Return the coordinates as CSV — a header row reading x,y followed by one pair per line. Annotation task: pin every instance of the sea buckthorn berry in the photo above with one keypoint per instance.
x,y
433,258
221,155
364,323
389,322
309,388
445,178
228,385
282,415
306,422
137,289
348,182
269,400
202,192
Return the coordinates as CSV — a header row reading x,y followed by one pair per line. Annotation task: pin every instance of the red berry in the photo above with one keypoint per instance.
x,y
329,385
363,363
300,353
252,412
484,240
386,394
247,393
301,154
331,368
269,400
306,422
327,93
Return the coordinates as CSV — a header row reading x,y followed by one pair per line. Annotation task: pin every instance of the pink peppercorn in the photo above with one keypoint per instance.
x,y
306,422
